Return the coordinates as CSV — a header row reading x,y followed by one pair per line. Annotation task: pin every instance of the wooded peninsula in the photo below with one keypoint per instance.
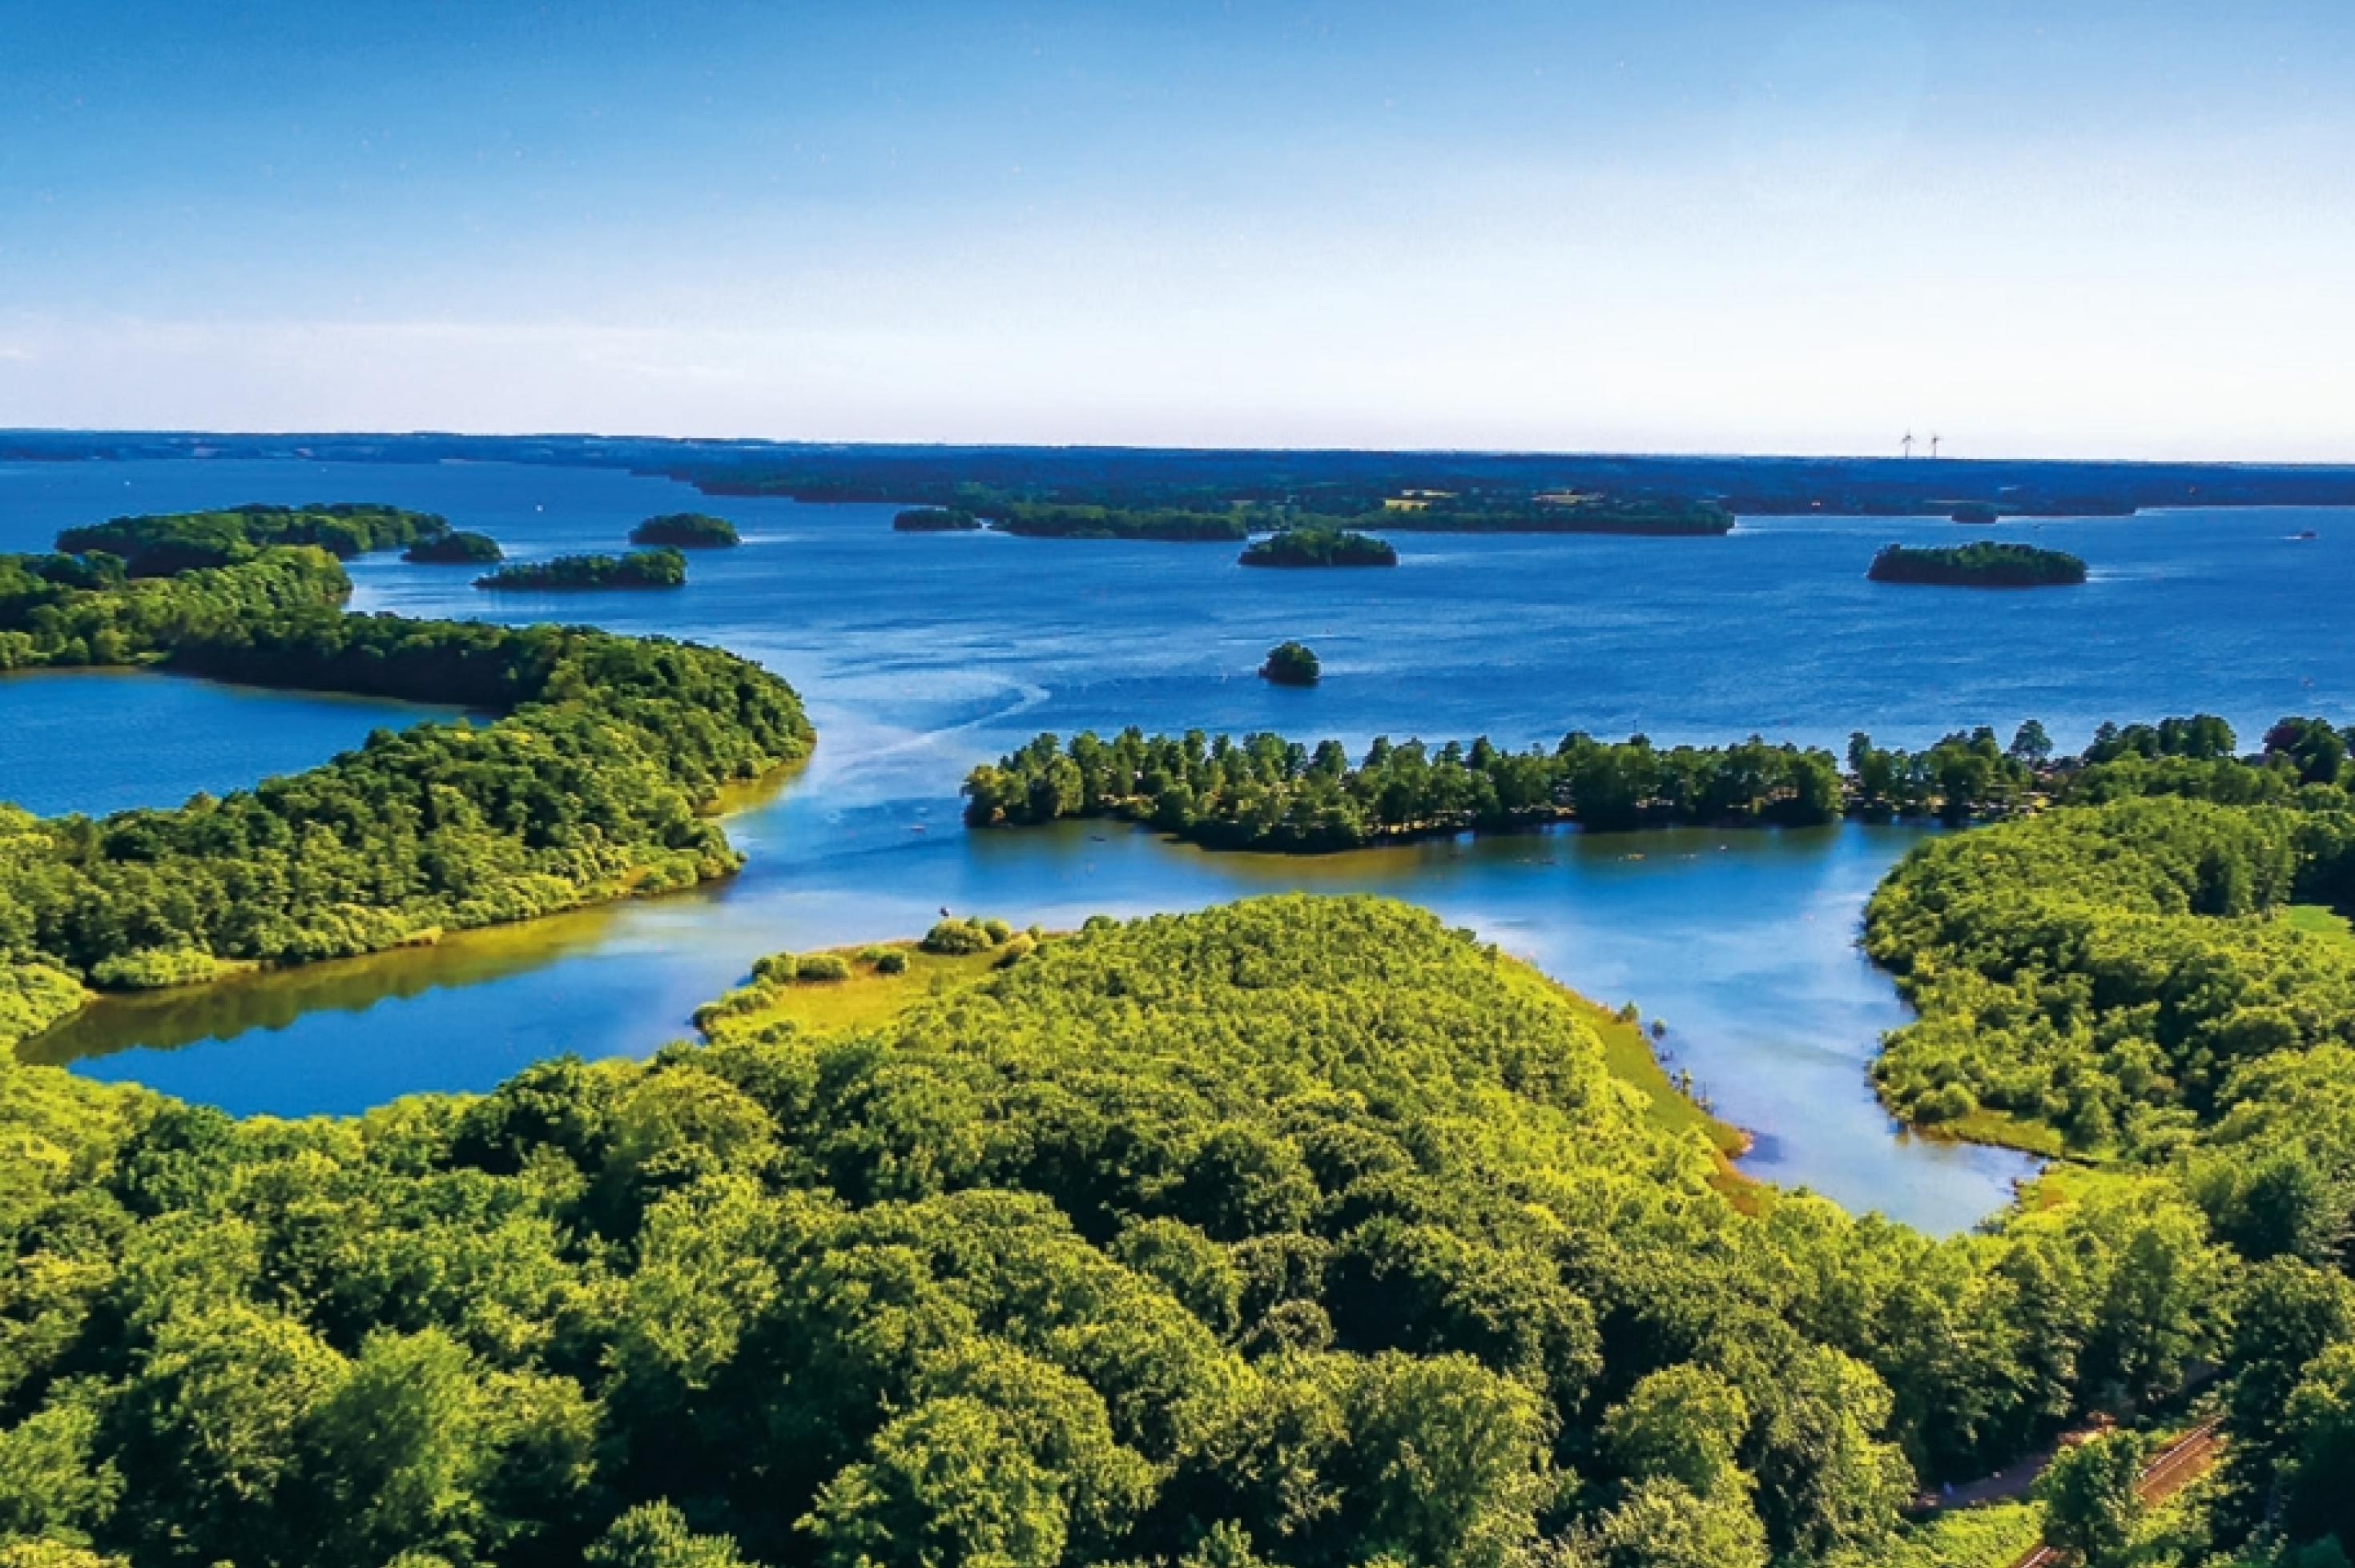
x,y
586,786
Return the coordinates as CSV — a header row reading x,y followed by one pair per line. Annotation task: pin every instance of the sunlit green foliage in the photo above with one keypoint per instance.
x,y
2106,969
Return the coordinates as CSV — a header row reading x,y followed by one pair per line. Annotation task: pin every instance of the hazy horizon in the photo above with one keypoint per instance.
x,y
1708,228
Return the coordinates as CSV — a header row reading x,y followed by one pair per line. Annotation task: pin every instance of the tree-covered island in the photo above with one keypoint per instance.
x,y
686,531
587,786
1984,564
1319,547
458,547
663,567
934,520
1292,665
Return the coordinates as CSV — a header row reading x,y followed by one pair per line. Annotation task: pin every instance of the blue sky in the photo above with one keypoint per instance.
x,y
2068,227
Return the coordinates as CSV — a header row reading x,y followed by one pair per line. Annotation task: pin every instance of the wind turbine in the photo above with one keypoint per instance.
x,y
1934,443
1908,443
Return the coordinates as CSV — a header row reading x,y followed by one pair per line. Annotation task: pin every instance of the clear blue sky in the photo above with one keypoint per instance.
x,y
2075,226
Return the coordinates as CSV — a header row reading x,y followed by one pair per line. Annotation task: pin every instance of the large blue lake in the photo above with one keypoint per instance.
x,y
921,655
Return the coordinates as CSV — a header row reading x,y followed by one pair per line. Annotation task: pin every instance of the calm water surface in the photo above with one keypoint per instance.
x,y
104,740
921,655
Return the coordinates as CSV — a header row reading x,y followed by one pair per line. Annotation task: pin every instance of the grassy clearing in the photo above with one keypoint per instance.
x,y
2320,920
1627,1056
1990,1536
868,998
2004,1131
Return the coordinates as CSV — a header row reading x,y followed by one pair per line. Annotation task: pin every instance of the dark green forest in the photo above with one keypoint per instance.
x,y
1983,564
1292,665
1319,547
459,547
662,566
934,520
582,781
686,531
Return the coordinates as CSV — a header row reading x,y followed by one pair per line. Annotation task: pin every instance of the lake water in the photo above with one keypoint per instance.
x,y
921,655
104,740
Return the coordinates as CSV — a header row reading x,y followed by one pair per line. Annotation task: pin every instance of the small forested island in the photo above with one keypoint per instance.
x,y
162,544
1319,547
1982,565
686,531
1975,511
585,787
1292,665
657,568
457,548
935,520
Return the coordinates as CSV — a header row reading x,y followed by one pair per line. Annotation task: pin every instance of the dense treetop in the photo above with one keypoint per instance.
x,y
1982,564
660,567
686,531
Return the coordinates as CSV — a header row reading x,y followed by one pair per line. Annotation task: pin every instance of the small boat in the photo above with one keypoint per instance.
x,y
2304,534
